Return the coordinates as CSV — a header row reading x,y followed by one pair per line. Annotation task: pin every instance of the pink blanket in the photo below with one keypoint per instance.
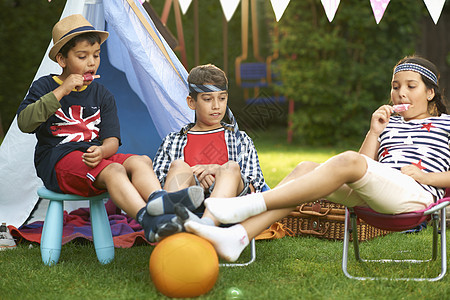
x,y
125,230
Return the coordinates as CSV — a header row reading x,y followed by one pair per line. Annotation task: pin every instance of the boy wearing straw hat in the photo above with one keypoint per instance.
x,y
77,128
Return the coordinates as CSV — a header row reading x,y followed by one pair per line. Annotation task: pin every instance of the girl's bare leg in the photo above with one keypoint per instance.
x,y
230,242
344,168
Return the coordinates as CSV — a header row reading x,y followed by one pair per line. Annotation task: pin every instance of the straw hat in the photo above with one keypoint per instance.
x,y
67,29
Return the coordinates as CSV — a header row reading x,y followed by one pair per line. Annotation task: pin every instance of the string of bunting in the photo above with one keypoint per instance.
x,y
330,6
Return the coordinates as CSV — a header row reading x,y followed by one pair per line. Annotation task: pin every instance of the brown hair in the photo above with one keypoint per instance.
x,y
436,106
206,74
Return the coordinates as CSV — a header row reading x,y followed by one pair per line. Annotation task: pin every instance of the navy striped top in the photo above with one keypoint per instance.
x,y
422,142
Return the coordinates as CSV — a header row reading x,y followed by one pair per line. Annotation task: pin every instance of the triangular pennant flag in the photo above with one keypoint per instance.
x,y
184,5
378,8
330,7
279,6
435,8
229,7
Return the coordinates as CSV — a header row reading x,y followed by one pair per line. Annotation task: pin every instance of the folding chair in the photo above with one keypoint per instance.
x,y
252,246
397,222
252,257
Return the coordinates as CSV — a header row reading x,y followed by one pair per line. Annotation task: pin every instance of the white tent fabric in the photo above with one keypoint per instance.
x,y
160,87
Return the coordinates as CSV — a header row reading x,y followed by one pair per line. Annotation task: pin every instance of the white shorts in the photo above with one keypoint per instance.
x,y
385,190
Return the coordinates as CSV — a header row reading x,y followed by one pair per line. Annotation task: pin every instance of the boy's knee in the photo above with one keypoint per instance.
x,y
113,169
230,167
179,164
139,160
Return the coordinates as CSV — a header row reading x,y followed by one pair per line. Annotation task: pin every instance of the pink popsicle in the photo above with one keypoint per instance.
x,y
401,107
90,77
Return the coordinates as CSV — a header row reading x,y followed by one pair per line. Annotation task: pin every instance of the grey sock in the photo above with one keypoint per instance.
x,y
185,215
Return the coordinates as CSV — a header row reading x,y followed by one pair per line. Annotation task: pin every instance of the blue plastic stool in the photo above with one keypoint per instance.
x,y
51,238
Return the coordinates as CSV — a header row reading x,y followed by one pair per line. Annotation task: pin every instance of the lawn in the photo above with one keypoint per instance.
x,y
288,268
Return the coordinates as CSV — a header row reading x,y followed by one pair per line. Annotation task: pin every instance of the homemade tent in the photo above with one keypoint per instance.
x,y
138,67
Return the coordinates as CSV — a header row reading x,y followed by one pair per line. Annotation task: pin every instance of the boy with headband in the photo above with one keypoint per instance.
x,y
209,153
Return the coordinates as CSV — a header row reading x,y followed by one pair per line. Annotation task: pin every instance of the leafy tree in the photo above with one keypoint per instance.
x,y
338,73
25,32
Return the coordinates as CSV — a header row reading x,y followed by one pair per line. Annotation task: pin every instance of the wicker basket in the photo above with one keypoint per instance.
x,y
326,220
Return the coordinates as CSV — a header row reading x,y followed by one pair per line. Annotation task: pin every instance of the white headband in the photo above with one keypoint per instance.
x,y
416,68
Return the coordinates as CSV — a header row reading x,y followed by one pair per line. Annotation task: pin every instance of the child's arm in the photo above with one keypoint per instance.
x,y
379,121
439,179
95,154
251,171
38,112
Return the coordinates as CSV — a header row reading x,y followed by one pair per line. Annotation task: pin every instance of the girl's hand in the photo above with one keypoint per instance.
x,y
380,119
414,172
93,156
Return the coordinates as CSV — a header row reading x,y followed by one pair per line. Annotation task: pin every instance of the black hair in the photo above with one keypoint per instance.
x,y
90,37
436,106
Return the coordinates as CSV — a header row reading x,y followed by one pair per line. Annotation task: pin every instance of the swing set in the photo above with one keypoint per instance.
x,y
256,78
258,75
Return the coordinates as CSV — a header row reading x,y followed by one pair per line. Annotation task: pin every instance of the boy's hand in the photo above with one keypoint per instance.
x,y
205,174
73,81
93,156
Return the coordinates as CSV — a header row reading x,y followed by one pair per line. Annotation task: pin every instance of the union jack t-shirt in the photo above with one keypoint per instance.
x,y
85,118
422,142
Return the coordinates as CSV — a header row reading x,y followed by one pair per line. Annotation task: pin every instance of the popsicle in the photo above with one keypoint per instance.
x,y
90,77
401,107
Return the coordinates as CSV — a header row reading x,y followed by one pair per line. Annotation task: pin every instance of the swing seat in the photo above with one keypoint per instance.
x,y
254,75
397,222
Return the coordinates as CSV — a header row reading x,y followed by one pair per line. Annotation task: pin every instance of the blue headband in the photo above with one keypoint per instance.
x,y
417,68
206,88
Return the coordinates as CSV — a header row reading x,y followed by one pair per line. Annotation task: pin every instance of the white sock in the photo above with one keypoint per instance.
x,y
234,210
229,242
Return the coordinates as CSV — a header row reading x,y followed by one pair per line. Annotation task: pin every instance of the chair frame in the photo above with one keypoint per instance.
x,y
252,258
351,218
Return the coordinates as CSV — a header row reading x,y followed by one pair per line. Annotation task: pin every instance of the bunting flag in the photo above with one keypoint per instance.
x,y
435,8
229,7
330,7
184,5
378,8
279,6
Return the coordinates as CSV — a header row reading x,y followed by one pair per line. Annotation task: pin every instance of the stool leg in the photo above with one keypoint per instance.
x,y
101,232
51,237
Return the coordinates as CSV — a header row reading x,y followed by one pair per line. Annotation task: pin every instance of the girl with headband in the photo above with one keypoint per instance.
x,y
402,166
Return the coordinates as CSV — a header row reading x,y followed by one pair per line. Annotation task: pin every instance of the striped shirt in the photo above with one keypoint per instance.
x,y
423,142
172,148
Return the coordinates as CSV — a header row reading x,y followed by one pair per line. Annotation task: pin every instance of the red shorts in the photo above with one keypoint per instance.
x,y
74,177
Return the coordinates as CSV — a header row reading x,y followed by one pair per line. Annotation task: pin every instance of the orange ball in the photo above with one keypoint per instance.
x,y
184,265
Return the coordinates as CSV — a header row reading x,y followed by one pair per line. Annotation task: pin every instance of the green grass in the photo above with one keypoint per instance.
x,y
289,268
